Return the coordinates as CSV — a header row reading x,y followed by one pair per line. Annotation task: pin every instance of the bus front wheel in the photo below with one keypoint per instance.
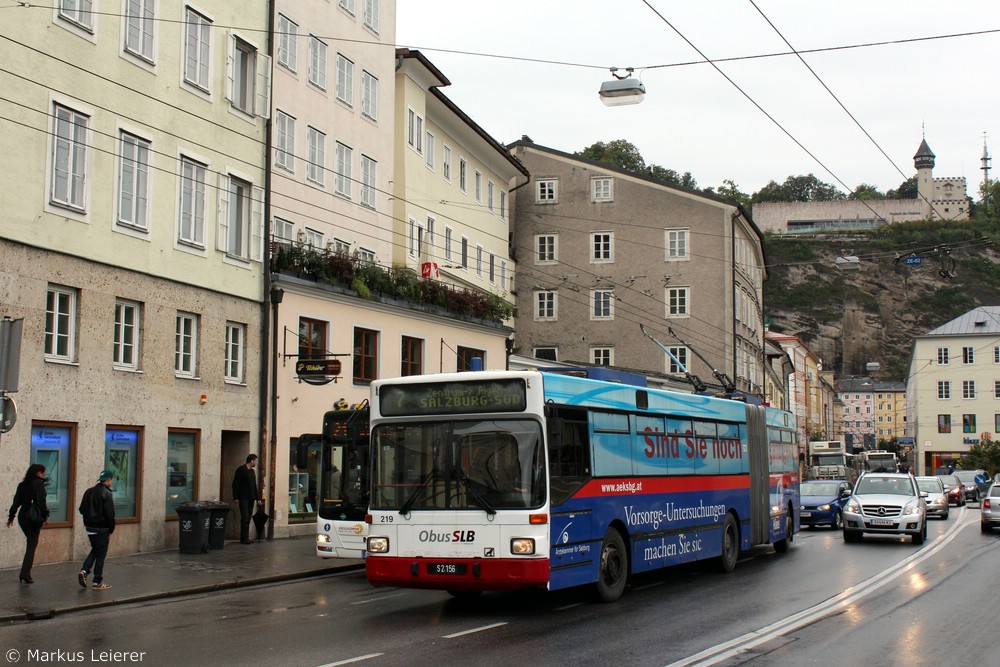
x,y
730,545
613,565
782,545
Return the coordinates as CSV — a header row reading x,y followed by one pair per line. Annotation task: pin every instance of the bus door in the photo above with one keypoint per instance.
x,y
760,482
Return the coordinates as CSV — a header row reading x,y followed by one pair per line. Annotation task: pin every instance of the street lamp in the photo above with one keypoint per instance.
x,y
622,90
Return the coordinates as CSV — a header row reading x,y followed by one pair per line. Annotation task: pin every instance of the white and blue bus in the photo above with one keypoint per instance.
x,y
500,480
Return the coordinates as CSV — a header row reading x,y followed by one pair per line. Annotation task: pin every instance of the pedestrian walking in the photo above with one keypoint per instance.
x,y
247,495
32,513
98,510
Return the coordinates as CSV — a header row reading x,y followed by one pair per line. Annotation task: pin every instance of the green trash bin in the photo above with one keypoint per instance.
x,y
193,521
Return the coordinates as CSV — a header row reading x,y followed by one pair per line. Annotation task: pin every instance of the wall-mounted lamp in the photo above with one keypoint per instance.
x,y
301,236
622,90
203,400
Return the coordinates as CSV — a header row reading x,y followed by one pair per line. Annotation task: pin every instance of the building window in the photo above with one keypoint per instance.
x,y
463,174
123,456
677,244
191,226
365,355
316,141
680,354
447,244
371,15
446,162
197,49
547,191
601,189
467,354
968,355
545,306
503,205
242,79
235,352
313,238
53,444
503,274
546,353
968,389
288,39
182,468
79,12
414,131
342,184
317,62
125,349
140,17
369,95
677,302
942,356
341,247
411,356
429,155
969,424
133,182
603,248
996,392
493,268
412,238
69,158
479,261
60,323
465,253
545,248
186,345
479,187
348,5
345,80
284,141
603,304
602,356
241,219
366,256
368,181
944,389
312,339
489,195
996,355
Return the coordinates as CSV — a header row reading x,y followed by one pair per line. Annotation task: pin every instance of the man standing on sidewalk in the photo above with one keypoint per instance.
x,y
247,494
98,510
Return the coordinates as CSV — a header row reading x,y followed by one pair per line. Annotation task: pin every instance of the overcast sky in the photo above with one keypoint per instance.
x,y
693,119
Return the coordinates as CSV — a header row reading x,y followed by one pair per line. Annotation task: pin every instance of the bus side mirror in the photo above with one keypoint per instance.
x,y
302,449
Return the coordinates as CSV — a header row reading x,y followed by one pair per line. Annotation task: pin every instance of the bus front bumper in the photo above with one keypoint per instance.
x,y
458,574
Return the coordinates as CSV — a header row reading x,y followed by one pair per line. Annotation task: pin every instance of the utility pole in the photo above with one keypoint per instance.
x,y
986,175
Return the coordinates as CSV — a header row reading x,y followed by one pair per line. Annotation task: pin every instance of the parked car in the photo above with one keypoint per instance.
x,y
886,503
976,483
989,512
953,489
933,493
822,502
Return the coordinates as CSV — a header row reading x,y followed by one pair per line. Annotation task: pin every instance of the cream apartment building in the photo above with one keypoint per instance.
x,y
811,394
131,246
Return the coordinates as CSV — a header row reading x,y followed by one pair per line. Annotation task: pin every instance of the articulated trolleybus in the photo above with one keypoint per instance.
x,y
500,480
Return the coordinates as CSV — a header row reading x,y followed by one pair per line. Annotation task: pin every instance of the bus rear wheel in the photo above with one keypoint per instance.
x,y
730,545
613,567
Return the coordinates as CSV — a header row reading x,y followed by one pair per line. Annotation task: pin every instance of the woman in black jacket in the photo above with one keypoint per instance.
x,y
30,491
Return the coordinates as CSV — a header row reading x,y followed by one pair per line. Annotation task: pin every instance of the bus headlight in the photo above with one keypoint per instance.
x,y
378,545
522,546
322,538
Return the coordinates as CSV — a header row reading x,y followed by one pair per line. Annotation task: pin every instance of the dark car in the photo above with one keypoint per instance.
x,y
822,502
976,483
954,490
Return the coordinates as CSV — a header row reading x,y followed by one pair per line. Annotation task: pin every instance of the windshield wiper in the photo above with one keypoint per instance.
x,y
404,509
464,479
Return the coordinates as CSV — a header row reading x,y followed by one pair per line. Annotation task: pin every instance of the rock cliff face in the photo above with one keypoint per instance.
x,y
849,317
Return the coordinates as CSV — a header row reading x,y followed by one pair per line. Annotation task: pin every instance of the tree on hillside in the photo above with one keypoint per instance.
x,y
988,205
906,190
729,190
685,180
798,188
618,153
865,192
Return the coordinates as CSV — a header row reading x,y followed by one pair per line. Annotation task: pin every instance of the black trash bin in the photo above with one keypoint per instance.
x,y
218,511
193,521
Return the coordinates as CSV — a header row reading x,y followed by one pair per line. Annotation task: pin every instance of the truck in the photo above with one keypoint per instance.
x,y
828,459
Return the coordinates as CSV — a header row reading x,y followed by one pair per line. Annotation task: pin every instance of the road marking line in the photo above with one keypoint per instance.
x,y
379,598
469,632
352,660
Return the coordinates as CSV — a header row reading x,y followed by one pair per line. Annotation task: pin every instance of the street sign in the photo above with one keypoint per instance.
x,y
8,414
914,260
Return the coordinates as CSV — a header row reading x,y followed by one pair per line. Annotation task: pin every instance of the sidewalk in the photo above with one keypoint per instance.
x,y
163,574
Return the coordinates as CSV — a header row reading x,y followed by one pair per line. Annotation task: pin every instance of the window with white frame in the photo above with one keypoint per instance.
x,y
345,80
601,189
133,181
248,78
312,238
489,195
545,306
996,354
317,62
366,256
677,302
942,356
479,187
125,346
235,352
371,15
341,247
348,5
503,274
412,238
676,245
996,391
369,183
493,268
186,345
447,244
968,355
503,205
284,141
602,356
60,323
369,95
429,154
602,304
342,184
944,389
197,49
463,173
546,248
316,142
479,261
414,130
547,191
465,253
140,19
69,158
288,39
191,225
241,218
283,230
79,12
968,389
680,354
602,247
429,238
446,162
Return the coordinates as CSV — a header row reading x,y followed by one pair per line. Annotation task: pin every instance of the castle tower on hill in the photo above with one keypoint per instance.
x,y
939,198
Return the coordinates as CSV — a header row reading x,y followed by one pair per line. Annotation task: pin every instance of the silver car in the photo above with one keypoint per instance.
x,y
989,513
887,503
932,491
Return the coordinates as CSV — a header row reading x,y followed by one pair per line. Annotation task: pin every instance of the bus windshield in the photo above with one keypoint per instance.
x,y
484,465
